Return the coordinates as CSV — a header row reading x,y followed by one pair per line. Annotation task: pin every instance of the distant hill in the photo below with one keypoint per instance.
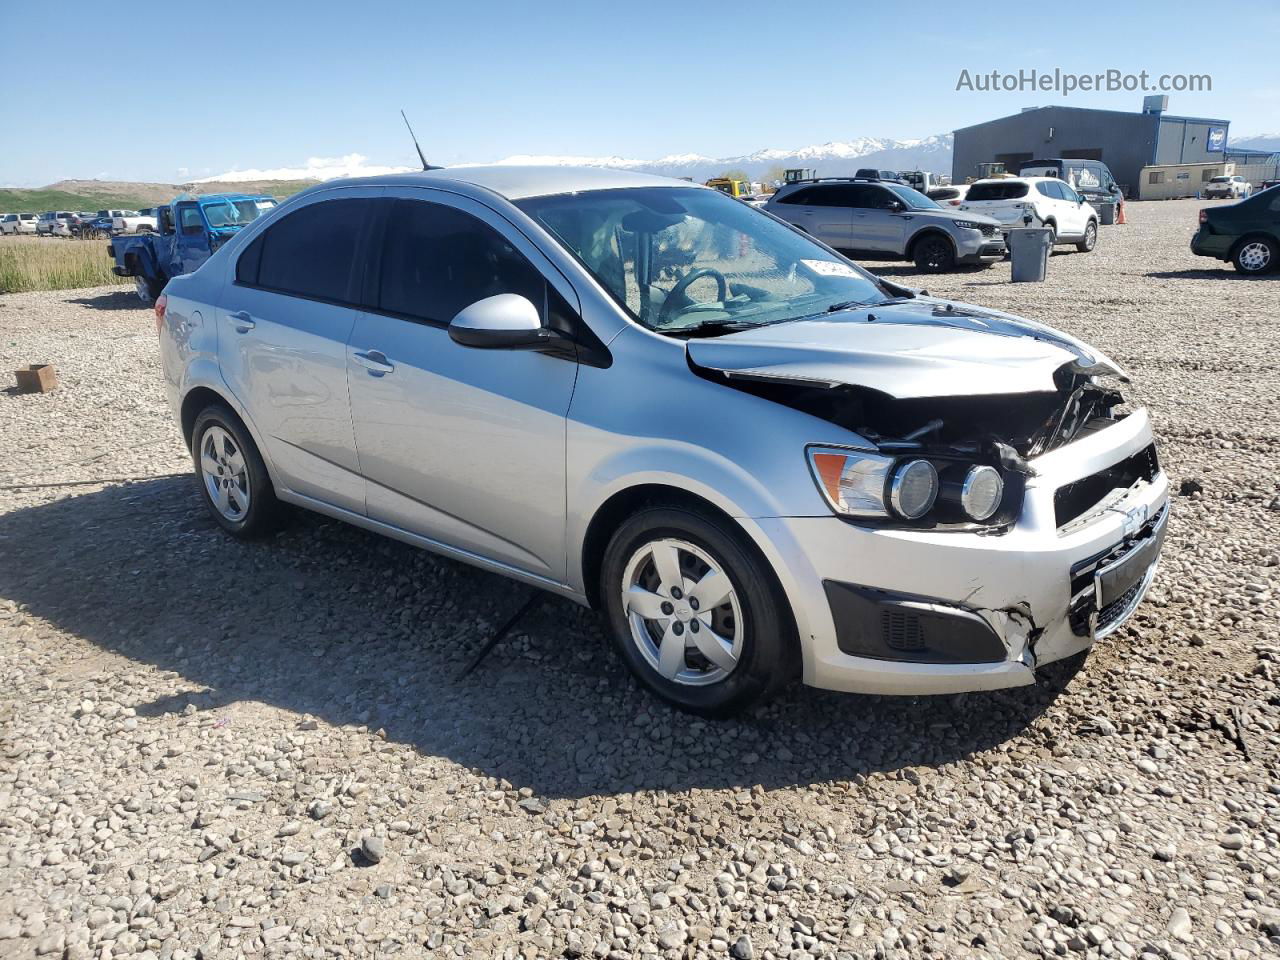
x,y
97,194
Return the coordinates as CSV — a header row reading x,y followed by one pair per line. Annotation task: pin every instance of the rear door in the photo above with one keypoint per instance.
x,y
283,326
817,210
460,445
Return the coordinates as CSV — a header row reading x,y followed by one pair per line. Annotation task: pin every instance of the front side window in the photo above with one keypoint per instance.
x,y
437,260
189,221
311,252
674,258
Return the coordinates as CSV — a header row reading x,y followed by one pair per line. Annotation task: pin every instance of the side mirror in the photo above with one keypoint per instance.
x,y
897,206
505,322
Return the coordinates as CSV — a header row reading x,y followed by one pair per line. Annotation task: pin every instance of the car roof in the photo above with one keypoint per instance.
x,y
517,182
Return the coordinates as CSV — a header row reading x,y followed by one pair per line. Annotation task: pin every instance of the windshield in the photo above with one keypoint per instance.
x,y
235,213
1220,180
676,257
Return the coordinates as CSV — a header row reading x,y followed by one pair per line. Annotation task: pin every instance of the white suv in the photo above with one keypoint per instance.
x,y
1036,202
15,223
1230,188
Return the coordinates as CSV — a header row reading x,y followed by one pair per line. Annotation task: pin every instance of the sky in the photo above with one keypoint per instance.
x,y
168,92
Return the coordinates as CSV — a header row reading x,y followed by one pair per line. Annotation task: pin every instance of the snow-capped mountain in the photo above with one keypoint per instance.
x,y
838,158
1261,141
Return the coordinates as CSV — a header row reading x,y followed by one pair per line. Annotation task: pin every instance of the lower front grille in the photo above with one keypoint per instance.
x,y
1118,607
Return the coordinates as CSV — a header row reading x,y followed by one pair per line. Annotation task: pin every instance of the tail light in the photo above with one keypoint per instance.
x,y
955,203
1204,216
162,303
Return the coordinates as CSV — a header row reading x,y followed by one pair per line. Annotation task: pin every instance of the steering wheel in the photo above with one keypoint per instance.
x,y
683,284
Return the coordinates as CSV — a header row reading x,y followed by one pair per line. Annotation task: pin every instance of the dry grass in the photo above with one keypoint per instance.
x,y
42,263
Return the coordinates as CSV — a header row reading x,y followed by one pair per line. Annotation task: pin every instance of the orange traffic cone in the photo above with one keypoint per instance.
x,y
1120,212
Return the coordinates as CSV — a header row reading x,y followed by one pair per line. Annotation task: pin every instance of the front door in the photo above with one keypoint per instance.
x,y
191,246
283,325
876,225
460,445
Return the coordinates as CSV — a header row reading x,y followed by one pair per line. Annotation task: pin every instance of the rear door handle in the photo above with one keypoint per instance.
x,y
375,361
242,322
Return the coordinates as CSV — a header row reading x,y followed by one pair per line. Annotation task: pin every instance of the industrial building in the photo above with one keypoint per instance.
x,y
1125,142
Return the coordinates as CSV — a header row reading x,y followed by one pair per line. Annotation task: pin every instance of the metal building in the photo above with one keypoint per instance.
x,y
1125,142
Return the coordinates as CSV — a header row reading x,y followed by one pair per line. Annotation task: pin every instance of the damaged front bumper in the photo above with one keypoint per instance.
x,y
896,611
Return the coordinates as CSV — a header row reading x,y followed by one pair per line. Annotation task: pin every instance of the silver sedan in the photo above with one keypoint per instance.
x,y
756,459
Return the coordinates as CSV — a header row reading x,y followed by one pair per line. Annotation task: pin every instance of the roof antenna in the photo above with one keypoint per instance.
x,y
425,165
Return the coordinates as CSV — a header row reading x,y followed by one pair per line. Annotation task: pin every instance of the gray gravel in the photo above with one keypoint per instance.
x,y
218,750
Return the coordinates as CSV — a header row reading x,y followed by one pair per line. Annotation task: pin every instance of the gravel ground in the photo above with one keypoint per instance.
x,y
216,750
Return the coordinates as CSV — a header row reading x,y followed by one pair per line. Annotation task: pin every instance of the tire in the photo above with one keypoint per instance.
x,y
1255,256
1053,231
749,631
934,253
225,457
1090,239
155,287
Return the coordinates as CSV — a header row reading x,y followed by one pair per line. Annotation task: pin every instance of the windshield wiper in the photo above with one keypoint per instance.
x,y
714,327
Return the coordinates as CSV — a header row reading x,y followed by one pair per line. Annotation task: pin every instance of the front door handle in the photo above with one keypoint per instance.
x,y
375,361
242,321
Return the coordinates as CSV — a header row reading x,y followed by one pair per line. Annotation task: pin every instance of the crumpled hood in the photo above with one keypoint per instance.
x,y
917,348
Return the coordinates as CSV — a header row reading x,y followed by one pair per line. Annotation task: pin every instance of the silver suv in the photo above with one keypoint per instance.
x,y
758,460
888,220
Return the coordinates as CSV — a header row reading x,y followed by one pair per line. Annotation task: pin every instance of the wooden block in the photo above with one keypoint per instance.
x,y
38,378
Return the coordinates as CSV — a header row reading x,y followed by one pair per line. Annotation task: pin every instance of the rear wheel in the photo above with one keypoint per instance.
x,y
1255,255
934,254
694,612
233,478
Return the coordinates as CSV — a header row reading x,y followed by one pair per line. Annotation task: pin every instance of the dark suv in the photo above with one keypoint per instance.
x,y
1246,233
888,221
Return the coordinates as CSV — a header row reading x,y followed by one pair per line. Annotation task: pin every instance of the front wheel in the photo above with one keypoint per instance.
x,y
694,612
233,478
934,254
1090,238
1254,256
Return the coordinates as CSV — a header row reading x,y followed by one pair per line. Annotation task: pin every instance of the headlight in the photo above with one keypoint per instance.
x,y
913,489
967,225
853,482
981,492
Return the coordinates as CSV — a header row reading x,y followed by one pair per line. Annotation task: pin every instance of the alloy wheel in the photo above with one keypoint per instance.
x,y
225,474
683,612
1255,257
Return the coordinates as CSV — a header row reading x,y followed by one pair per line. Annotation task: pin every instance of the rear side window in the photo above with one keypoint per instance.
x,y
997,191
310,253
437,260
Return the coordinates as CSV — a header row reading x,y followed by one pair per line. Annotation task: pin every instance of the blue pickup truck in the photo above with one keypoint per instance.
x,y
187,232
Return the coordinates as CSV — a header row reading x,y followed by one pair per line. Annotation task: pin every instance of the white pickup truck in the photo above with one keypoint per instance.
x,y
144,221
